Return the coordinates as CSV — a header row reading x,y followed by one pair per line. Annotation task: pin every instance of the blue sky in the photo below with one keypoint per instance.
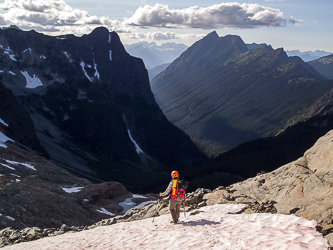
x,y
291,24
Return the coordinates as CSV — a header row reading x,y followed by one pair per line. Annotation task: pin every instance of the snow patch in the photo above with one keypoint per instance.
x,y
26,50
139,196
32,82
109,38
1,121
24,164
213,227
9,53
7,166
127,204
68,56
138,149
10,218
85,72
4,139
15,175
96,71
110,55
72,189
104,211
12,73
42,57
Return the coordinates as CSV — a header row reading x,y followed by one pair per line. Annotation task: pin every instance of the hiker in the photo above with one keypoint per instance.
x,y
177,196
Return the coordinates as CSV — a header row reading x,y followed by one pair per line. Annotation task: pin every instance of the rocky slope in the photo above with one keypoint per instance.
x,y
324,66
34,191
223,94
92,107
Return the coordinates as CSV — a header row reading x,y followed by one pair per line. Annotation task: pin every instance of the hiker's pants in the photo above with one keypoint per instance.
x,y
175,208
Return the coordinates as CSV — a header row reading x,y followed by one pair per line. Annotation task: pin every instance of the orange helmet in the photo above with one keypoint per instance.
x,y
174,174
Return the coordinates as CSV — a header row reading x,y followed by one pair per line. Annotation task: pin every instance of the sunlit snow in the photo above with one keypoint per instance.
x,y
138,196
32,82
210,227
138,149
72,189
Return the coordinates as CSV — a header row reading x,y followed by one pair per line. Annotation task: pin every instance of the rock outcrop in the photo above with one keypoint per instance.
x,y
302,187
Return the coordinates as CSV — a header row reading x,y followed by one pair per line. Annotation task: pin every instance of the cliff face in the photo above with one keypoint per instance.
x,y
17,123
92,107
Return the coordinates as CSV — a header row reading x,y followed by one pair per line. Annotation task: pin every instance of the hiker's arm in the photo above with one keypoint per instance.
x,y
167,191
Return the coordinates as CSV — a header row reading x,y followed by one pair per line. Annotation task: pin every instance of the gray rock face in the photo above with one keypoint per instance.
x,y
303,186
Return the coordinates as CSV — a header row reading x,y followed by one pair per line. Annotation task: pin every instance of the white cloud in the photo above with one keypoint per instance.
x,y
224,15
292,20
52,17
55,17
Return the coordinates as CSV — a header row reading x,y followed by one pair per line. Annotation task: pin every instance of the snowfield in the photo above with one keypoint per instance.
x,y
211,227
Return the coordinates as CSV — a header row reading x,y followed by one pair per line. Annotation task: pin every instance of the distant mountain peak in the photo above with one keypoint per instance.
x,y
212,34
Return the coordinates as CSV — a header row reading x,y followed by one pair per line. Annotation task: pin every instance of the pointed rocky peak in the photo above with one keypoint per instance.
x,y
212,35
211,38
282,55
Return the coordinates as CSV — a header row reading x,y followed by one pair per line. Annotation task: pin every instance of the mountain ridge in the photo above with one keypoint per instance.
x,y
215,88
